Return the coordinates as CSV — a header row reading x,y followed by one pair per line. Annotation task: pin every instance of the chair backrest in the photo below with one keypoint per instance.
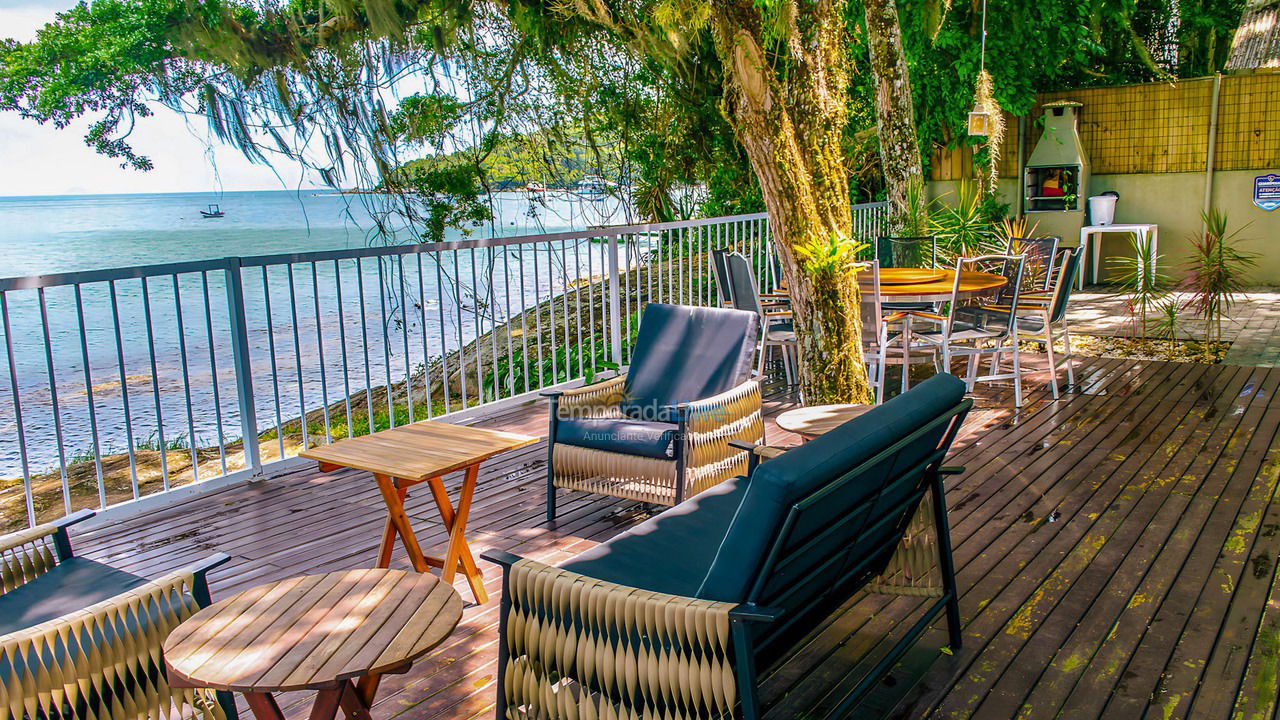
x,y
1068,265
992,309
821,520
683,354
720,269
871,304
775,269
1041,253
907,252
742,284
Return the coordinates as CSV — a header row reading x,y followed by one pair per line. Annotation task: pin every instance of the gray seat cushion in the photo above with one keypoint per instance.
x,y
684,354
632,437
669,553
74,584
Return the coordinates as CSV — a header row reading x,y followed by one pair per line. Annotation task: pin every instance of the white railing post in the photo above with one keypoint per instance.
x,y
615,303
243,367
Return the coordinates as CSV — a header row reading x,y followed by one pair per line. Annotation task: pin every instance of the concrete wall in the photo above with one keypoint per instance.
x,y
1173,201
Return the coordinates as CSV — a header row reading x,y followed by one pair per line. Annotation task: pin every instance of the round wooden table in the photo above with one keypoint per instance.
x,y
810,422
894,283
338,633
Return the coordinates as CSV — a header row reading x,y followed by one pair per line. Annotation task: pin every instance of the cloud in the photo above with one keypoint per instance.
x,y
43,160
20,20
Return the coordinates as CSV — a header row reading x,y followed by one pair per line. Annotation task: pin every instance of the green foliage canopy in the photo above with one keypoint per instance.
x,y
323,83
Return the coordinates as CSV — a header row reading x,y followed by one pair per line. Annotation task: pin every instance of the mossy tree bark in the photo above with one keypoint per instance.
x,y
895,108
790,115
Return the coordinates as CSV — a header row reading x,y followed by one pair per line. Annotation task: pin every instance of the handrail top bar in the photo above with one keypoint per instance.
x,y
160,269
31,282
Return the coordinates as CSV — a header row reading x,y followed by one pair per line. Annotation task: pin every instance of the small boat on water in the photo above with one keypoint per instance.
x,y
213,212
593,187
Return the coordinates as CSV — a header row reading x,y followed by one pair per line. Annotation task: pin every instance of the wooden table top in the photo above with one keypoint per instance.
x,y
312,631
418,451
818,419
970,282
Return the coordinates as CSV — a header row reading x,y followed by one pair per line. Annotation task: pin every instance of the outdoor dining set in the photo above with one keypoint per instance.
x,y
918,309
676,617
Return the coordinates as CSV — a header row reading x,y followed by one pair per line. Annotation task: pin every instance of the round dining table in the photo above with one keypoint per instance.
x,y
915,285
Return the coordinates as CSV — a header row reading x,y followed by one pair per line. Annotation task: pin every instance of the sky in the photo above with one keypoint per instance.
x,y
43,160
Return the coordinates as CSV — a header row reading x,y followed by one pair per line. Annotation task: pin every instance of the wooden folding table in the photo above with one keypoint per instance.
x,y
424,451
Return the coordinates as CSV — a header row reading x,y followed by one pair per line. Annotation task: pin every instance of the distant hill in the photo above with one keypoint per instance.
x,y
517,160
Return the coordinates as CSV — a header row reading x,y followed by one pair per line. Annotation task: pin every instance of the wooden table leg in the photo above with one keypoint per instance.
x,y
456,523
326,704
400,521
264,706
367,688
353,704
389,534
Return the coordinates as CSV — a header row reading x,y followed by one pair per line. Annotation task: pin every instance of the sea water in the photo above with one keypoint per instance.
x,y
449,303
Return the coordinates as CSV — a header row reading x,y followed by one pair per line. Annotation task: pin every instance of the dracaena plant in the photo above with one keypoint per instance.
x,y
1141,281
1166,322
912,220
1015,227
1216,273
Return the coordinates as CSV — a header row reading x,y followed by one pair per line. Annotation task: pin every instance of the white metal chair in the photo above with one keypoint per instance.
x,y
878,337
983,324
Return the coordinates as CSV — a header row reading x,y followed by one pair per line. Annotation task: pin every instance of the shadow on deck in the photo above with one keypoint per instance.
x,y
1116,553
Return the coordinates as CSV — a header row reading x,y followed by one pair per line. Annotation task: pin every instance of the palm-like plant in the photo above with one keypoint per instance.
x,y
1015,227
1216,273
1166,322
963,228
1141,281
913,219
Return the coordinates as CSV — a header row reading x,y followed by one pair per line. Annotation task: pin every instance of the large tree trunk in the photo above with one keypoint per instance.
x,y
792,124
895,110
786,83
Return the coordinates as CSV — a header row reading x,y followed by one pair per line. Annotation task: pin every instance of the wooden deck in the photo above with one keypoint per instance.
x,y
1116,552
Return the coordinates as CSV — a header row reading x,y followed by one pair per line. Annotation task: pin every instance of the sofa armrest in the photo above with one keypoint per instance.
x,y
726,408
768,452
28,554
133,649
709,425
758,452
597,396
560,628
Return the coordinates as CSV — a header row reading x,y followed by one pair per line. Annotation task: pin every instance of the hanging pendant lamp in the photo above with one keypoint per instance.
x,y
980,116
986,120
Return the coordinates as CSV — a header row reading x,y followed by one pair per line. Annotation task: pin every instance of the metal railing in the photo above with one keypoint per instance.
x,y
145,381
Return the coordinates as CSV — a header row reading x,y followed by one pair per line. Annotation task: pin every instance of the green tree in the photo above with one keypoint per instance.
x,y
791,106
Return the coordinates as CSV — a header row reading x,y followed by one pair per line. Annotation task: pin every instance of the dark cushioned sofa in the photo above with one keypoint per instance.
x,y
80,639
674,617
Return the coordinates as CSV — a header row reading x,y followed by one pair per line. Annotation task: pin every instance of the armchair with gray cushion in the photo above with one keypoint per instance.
x,y
662,432
680,616
80,639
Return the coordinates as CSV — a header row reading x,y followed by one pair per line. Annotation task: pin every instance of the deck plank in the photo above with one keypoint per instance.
x,y
1115,551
